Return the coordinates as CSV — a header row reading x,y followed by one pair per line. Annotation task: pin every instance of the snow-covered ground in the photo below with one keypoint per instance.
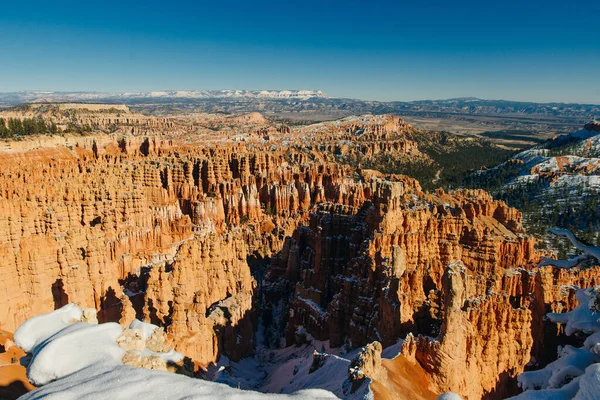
x,y
576,373
70,359
574,168
558,180
588,251
287,370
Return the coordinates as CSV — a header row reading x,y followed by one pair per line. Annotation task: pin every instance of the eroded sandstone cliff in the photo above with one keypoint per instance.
x,y
170,222
205,233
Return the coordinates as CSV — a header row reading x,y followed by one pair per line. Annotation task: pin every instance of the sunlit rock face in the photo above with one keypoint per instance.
x,y
167,219
379,271
207,231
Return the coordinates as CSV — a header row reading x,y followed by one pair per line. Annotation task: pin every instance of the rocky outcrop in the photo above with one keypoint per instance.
x,y
198,234
375,272
455,266
72,229
592,126
13,378
482,342
152,218
367,364
492,337
205,299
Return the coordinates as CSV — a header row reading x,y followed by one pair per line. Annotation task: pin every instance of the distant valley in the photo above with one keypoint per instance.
x,y
496,120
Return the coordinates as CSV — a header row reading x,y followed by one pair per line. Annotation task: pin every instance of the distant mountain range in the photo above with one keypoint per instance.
x,y
458,105
37,96
473,105
314,105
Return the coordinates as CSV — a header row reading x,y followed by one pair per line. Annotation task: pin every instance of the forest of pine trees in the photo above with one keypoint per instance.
x,y
576,208
14,127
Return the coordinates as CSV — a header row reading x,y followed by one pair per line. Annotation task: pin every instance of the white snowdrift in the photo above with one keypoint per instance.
x,y
35,330
394,350
146,328
76,360
576,373
291,369
125,382
295,374
449,396
582,318
288,369
74,348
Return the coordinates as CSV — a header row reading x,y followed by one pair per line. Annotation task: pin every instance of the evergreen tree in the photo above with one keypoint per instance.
x,y
40,126
15,126
29,127
53,128
4,132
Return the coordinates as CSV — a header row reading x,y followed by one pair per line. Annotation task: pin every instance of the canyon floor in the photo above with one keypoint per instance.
x,y
272,257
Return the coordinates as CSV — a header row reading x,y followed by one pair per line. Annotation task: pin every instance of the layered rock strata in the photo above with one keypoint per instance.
x,y
166,221
176,230
454,267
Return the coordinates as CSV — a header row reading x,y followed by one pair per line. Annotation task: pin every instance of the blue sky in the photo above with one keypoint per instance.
x,y
377,50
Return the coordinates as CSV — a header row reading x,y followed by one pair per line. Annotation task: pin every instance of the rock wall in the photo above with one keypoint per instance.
x,y
375,272
207,293
165,221
176,230
455,267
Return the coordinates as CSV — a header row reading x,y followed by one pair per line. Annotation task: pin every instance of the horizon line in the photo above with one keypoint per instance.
x,y
326,96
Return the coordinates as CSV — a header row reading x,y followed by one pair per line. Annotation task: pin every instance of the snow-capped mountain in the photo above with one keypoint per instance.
x,y
27,96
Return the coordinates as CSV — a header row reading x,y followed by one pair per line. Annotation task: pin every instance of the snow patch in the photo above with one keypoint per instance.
x,y
146,328
576,373
393,351
449,396
76,360
37,329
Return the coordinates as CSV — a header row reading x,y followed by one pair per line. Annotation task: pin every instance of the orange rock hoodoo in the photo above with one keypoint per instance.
x,y
166,228
155,216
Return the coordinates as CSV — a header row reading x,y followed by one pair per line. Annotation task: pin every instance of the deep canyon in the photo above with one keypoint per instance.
x,y
230,231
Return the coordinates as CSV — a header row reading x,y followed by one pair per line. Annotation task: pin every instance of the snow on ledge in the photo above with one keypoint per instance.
x,y
576,372
73,360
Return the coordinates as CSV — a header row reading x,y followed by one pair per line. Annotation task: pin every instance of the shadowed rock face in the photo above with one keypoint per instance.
x,y
592,126
163,227
379,271
455,268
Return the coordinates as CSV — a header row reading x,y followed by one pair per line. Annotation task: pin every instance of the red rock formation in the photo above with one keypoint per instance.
x,y
206,293
476,347
368,273
80,225
174,222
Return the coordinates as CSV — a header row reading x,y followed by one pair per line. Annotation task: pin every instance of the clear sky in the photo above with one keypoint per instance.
x,y
378,50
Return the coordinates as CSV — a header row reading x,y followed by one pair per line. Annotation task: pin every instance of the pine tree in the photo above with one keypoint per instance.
x,y
15,126
29,127
3,129
53,128
40,126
